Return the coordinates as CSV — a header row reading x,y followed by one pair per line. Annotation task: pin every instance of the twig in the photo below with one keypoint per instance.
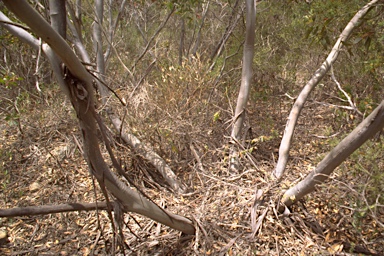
x,y
78,144
143,77
153,37
353,105
38,65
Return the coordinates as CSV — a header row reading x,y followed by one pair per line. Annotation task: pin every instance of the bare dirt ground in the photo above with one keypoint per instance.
x,y
41,164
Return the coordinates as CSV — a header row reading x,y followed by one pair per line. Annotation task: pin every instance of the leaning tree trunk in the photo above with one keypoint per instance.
x,y
142,149
365,130
246,78
76,82
319,74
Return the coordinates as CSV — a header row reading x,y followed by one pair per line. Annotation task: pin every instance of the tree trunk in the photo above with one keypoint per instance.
x,y
79,89
301,99
58,16
365,130
246,76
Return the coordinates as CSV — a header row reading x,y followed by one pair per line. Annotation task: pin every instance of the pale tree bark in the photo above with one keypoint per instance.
x,y
75,16
246,77
77,84
98,48
130,139
365,130
50,209
58,16
316,78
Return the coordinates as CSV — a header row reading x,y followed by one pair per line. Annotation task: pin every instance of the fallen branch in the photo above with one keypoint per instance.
x,y
49,209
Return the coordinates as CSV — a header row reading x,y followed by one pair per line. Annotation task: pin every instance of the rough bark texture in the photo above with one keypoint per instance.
x,y
369,127
301,99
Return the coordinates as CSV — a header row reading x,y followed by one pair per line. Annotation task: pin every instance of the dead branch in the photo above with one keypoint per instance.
x,y
49,209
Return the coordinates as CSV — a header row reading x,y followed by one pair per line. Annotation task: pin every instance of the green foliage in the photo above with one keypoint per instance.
x,y
5,179
369,160
9,79
324,22
363,170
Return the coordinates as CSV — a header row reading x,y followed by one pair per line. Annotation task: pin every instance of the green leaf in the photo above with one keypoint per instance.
x,y
216,116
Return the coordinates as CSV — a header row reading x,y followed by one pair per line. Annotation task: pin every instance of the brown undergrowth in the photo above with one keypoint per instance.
x,y
41,164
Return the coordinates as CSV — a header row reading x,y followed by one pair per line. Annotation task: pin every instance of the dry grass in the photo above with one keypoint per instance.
x,y
187,126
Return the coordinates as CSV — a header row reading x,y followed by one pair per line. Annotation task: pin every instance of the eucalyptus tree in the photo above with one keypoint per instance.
x,y
77,84
246,76
311,84
365,130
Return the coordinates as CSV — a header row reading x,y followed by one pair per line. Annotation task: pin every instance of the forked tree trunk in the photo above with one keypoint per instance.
x,y
78,87
365,130
316,78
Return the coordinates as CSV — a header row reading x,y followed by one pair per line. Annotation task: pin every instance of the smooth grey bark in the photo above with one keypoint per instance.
x,y
58,16
77,39
79,89
316,78
74,16
365,130
78,9
50,209
246,75
98,48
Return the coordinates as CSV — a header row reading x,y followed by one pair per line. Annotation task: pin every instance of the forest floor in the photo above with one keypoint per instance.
x,y
41,164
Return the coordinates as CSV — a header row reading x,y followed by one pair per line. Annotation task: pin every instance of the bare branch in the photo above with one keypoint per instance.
x,y
162,25
49,209
316,78
351,103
